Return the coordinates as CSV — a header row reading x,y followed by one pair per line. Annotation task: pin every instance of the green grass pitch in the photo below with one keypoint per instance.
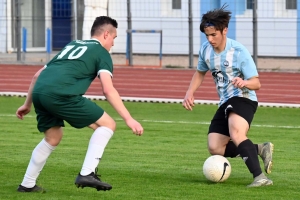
x,y
165,163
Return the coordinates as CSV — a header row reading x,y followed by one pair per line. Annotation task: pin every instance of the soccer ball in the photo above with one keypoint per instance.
x,y
216,168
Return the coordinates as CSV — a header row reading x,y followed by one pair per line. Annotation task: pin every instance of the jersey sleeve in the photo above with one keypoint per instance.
x,y
202,66
105,65
248,67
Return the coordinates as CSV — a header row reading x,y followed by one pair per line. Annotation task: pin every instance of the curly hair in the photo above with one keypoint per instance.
x,y
219,18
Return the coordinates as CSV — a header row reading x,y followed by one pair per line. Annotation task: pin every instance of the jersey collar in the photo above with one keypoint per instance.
x,y
96,40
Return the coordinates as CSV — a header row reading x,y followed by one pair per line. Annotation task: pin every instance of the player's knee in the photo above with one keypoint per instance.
x,y
106,121
112,125
237,138
93,126
53,141
213,151
109,123
53,136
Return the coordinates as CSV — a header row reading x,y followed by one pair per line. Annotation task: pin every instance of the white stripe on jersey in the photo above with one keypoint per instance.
x,y
229,71
104,70
217,60
207,57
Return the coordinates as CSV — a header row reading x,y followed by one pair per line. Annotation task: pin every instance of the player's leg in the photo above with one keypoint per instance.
x,y
51,126
38,159
220,138
246,109
238,128
219,142
103,130
86,113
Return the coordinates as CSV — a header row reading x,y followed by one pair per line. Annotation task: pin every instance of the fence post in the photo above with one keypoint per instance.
x,y
18,29
254,31
127,48
24,42
160,49
129,37
75,19
191,53
48,44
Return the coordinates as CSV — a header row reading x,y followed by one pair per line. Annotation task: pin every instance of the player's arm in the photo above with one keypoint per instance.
x,y
113,97
251,83
26,107
195,83
249,70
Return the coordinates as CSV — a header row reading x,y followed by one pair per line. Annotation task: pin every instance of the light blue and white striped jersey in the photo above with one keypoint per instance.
x,y
234,61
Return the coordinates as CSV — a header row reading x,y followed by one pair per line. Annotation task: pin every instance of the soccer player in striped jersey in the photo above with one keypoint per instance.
x,y
236,78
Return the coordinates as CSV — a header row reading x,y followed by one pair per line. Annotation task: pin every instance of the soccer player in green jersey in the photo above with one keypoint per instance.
x,y
56,93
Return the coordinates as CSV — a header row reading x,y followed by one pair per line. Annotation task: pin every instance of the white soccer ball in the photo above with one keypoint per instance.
x,y
216,168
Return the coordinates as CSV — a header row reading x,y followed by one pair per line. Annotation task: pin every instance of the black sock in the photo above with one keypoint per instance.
x,y
230,150
248,153
256,147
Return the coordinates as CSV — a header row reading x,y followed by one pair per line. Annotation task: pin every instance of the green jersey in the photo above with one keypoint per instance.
x,y
73,69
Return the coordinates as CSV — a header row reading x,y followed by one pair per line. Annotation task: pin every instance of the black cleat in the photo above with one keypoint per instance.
x,y
91,180
33,189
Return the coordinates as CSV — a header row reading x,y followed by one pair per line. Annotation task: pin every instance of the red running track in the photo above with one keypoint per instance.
x,y
277,87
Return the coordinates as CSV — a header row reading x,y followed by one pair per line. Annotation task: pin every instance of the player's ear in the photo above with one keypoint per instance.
x,y
225,31
106,33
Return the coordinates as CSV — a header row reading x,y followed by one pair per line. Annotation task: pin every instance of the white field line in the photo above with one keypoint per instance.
x,y
161,100
180,122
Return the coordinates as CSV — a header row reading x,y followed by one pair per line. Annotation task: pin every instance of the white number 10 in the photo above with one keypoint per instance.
x,y
72,55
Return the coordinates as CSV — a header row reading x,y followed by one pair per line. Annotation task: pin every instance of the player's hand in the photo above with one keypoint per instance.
x,y
238,82
135,126
188,101
22,111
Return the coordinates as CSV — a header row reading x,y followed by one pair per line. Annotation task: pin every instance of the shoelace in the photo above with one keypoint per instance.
x,y
96,175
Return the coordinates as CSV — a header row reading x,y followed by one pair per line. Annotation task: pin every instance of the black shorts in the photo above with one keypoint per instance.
x,y
244,107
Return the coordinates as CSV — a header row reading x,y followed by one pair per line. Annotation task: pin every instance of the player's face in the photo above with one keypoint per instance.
x,y
110,35
215,37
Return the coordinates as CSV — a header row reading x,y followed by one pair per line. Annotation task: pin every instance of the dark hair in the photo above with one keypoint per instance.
x,y
219,18
99,22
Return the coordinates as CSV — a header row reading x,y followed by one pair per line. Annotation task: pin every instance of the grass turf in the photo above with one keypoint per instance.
x,y
165,163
